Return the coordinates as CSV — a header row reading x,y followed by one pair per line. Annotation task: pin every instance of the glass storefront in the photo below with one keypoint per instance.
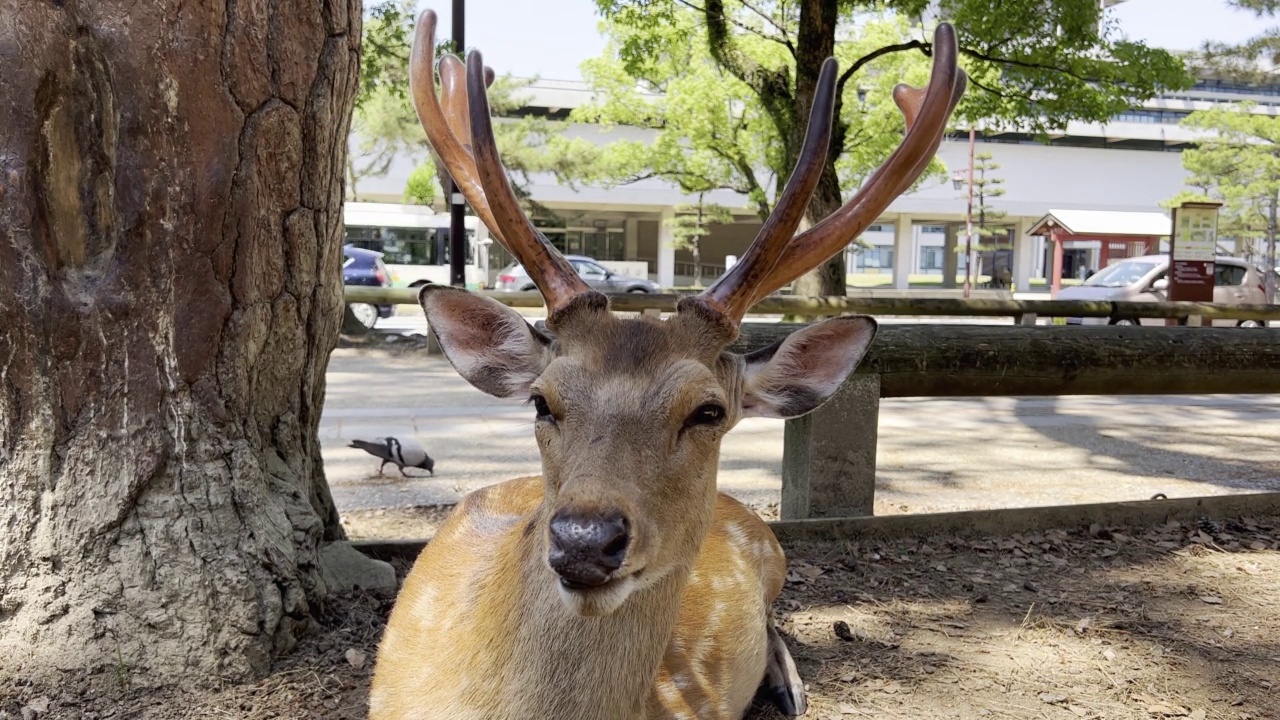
x,y
598,243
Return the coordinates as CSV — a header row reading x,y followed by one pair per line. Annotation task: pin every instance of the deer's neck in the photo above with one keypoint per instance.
x,y
588,668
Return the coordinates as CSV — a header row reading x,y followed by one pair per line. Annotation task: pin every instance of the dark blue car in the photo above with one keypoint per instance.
x,y
365,267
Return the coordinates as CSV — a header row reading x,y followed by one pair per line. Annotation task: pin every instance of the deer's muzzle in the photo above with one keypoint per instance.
x,y
586,548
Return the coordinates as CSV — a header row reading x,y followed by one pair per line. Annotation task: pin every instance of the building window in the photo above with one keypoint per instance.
x,y
931,259
1235,87
875,258
1143,115
604,245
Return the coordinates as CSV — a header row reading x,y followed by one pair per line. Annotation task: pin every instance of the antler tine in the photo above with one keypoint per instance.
x,y
455,156
548,269
926,114
453,98
909,101
733,294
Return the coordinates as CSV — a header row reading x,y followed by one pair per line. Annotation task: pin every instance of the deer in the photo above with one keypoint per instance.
x,y
620,584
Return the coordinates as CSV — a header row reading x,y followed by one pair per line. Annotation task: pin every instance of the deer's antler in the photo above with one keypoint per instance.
x,y
775,258
459,128
731,295
444,140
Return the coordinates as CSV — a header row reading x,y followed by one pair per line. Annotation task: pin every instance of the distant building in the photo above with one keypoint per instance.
x,y
1129,164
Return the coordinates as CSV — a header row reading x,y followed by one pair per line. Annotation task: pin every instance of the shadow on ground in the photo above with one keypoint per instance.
x,y
1170,621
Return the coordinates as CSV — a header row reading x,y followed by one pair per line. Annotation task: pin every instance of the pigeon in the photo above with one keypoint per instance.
x,y
403,453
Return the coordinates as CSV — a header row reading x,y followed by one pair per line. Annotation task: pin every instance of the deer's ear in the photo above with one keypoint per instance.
x,y
488,343
794,376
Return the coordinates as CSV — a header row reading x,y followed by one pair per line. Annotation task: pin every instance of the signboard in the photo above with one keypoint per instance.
x,y
1192,250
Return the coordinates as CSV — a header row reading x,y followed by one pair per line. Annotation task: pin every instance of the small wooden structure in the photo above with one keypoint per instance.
x,y
1120,234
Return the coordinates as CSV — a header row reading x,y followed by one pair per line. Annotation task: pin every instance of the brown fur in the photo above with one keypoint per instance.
x,y
459,645
482,629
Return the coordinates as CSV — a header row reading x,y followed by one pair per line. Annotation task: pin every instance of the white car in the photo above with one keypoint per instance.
x,y
1144,279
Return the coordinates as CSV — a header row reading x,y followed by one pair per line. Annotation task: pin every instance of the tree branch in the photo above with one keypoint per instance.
x,y
1024,64
784,41
773,87
753,186
998,93
858,64
786,38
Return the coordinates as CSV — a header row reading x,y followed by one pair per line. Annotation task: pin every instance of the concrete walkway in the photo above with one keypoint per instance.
x,y
933,454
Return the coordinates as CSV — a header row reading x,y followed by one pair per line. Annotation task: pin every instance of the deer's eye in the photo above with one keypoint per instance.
x,y
709,414
540,406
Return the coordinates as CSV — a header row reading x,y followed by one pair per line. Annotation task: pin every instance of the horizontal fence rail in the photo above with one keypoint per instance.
x,y
829,306
829,455
978,361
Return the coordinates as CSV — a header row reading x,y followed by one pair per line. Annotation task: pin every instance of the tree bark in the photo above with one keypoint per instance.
x,y
816,43
171,187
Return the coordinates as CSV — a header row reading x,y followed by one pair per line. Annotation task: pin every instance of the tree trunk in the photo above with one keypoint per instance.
x,y
950,256
817,42
171,186
697,262
1269,282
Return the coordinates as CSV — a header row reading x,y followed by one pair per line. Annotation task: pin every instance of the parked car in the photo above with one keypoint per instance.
x,y
1145,279
365,267
513,278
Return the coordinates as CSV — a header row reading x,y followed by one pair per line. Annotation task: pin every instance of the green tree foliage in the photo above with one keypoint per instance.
x,y
711,130
1237,162
420,188
385,123
739,78
691,223
986,187
385,40
384,126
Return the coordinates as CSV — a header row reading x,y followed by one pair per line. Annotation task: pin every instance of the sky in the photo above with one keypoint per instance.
x,y
550,38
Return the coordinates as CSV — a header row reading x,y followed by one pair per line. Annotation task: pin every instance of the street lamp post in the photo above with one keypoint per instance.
x,y
457,204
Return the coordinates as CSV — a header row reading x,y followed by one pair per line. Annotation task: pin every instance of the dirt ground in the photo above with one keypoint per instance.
x,y
1170,621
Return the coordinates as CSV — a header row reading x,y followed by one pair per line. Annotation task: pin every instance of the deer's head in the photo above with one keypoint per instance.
x,y
630,413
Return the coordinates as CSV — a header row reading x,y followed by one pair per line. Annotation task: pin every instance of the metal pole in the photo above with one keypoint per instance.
x,y
968,224
457,207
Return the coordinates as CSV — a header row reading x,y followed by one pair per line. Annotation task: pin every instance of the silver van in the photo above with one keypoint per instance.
x,y
513,278
1145,279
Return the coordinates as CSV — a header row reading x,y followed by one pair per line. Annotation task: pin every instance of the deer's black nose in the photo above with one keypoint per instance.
x,y
587,548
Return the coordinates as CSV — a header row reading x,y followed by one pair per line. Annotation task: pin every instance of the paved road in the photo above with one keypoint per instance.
x,y
414,322
933,454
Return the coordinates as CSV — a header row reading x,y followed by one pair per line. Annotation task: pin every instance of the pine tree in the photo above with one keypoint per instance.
x,y
691,223
986,186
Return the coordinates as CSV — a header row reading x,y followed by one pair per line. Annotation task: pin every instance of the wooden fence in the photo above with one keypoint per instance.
x,y
829,455
1023,311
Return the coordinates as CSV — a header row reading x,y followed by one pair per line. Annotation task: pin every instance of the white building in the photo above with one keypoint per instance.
x,y
1129,164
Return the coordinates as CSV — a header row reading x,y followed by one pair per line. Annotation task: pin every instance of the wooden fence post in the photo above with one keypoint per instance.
x,y
829,455
433,343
